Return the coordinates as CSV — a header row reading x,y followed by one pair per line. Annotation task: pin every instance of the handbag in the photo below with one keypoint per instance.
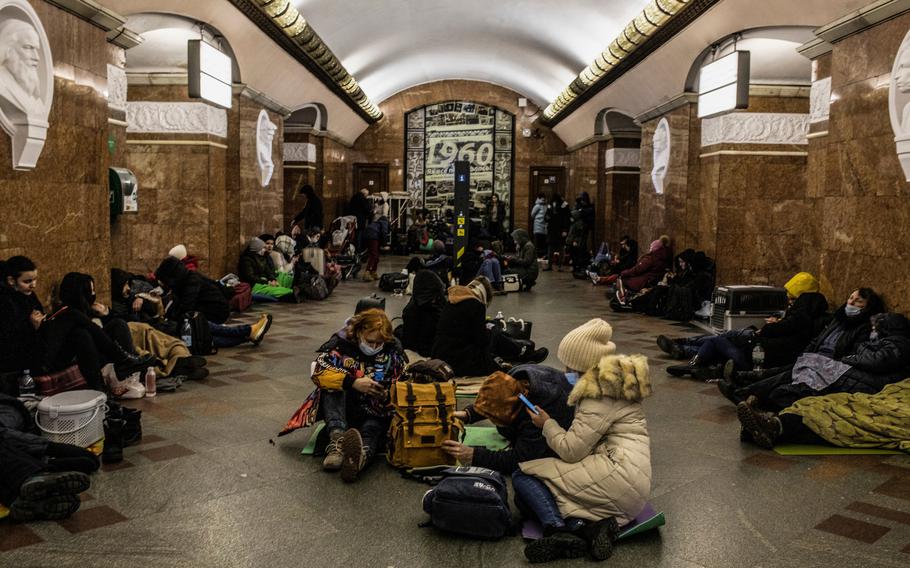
x,y
60,381
517,328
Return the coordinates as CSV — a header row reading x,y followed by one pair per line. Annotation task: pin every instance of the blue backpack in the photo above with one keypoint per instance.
x,y
472,501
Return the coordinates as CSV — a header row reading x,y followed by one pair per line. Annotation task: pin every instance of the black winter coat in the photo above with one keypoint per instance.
x,y
548,389
421,314
784,340
856,331
881,361
20,346
254,268
192,292
462,339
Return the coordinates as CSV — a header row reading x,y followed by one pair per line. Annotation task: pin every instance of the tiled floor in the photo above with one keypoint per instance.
x,y
211,485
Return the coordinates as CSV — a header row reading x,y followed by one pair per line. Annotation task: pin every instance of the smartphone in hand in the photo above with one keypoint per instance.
x,y
528,403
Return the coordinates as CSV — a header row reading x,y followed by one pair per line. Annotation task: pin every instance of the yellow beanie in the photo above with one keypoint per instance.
x,y
584,346
801,283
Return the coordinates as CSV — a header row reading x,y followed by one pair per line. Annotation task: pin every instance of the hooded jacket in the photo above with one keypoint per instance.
x,y
650,268
192,292
20,345
462,339
525,263
539,216
254,268
604,464
548,389
421,315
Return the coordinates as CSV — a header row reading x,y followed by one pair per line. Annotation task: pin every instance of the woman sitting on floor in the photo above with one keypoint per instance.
x,y
421,314
256,269
602,477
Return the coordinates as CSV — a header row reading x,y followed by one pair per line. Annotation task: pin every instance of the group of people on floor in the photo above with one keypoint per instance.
x,y
857,351
580,462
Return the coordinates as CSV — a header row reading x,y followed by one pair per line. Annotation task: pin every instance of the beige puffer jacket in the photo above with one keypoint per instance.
x,y
604,465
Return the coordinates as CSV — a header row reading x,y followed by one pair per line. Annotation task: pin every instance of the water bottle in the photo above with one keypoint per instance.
x,y
186,333
26,382
150,378
499,315
758,358
378,373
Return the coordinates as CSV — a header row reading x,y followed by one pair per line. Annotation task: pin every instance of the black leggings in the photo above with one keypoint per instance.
x,y
72,334
17,464
793,431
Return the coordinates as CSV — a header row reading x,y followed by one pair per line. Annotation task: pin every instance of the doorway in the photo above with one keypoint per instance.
x,y
546,180
373,177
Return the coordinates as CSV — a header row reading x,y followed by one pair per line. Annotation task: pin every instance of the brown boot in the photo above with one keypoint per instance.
x,y
354,455
333,456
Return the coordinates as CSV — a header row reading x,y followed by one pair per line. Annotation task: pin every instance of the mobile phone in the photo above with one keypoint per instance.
x,y
527,403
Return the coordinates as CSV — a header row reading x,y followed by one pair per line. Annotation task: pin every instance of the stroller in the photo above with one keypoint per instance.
x,y
342,246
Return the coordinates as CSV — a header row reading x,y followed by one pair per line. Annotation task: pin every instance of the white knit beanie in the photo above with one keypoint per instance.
x,y
178,252
583,347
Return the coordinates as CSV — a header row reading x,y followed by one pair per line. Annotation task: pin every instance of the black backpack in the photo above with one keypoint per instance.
x,y
471,501
201,334
314,287
391,281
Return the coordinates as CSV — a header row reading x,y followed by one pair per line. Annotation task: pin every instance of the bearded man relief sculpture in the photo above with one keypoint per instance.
x,y
899,103
26,81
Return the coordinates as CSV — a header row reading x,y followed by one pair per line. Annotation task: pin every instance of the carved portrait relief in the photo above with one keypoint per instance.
x,y
899,102
26,81
265,133
661,143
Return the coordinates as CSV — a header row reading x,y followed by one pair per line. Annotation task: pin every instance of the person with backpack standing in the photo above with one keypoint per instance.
x,y
602,477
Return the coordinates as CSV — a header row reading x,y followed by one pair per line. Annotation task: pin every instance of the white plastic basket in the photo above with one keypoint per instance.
x,y
73,417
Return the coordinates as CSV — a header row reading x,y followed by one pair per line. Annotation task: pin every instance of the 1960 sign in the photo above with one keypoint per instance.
x,y
444,152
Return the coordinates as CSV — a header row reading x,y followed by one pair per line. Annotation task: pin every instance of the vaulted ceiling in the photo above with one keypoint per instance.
x,y
534,47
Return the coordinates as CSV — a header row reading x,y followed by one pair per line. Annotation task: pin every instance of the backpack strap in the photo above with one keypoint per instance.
x,y
443,414
411,412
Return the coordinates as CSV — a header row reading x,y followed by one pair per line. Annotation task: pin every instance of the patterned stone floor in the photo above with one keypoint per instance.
x,y
211,485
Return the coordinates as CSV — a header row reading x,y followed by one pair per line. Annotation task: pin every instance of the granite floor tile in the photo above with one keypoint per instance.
x,y
16,536
852,529
164,453
895,487
880,512
91,518
769,461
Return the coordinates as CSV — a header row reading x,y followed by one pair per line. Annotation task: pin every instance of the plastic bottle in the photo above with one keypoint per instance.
x,y
499,315
758,358
150,379
26,382
186,333
378,373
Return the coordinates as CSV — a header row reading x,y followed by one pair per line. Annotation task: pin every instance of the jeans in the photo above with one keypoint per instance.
x,y
533,498
491,269
229,335
339,417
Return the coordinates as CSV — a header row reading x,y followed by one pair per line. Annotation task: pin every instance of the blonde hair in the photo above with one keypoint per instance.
x,y
366,321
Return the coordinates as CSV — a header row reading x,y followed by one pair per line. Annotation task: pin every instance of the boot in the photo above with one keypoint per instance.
x,y
600,536
746,378
132,426
557,545
334,458
374,276
763,427
728,389
354,455
134,364
670,347
260,328
50,509
529,354
113,441
43,485
709,373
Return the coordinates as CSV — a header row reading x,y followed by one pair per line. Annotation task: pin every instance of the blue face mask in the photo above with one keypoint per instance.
x,y
369,350
852,310
572,377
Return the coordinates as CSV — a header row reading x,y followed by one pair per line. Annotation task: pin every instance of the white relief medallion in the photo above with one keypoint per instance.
x,y
899,103
265,133
622,158
178,118
26,81
299,152
116,87
820,100
755,128
661,143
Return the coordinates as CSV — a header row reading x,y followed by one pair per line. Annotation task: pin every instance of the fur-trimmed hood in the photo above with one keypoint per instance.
x,y
623,377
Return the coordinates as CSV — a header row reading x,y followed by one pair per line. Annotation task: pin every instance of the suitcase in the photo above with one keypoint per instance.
x,y
423,419
511,283
392,281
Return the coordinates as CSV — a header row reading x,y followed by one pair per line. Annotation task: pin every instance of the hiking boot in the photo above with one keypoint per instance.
x,y
354,455
43,485
259,329
670,347
600,536
333,456
763,427
50,509
556,546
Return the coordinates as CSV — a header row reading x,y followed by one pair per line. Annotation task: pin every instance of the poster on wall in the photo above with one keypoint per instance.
x,y
440,134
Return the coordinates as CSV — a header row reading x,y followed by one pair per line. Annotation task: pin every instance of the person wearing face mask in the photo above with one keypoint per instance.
x,y
881,361
21,317
255,269
823,362
353,373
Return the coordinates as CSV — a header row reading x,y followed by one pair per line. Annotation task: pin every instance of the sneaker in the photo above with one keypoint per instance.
x,y
763,427
601,535
554,547
259,329
333,456
50,509
43,485
374,276
353,453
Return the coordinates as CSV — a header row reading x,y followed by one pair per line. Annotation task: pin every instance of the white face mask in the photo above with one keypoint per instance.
x,y
852,310
369,350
